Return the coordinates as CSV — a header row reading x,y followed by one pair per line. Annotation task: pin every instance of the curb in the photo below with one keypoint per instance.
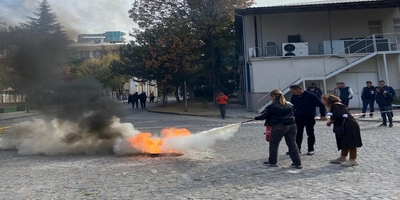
x,y
182,113
9,118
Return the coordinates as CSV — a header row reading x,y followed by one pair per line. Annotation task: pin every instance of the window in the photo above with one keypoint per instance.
x,y
375,27
396,30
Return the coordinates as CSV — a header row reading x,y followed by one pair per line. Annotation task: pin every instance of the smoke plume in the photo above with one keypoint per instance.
x,y
90,16
39,137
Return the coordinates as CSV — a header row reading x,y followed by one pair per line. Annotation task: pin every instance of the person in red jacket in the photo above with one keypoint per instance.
x,y
222,100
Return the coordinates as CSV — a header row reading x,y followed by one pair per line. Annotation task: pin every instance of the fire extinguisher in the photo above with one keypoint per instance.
x,y
267,133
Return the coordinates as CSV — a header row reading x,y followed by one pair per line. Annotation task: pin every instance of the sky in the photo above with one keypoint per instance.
x,y
88,16
280,2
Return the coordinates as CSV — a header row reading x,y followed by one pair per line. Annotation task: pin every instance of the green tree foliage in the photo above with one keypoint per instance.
x,y
6,79
99,68
214,24
37,51
192,40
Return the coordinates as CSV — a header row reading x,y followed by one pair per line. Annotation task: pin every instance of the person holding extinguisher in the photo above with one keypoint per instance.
x,y
279,115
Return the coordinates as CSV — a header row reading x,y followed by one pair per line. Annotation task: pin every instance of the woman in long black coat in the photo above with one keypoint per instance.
x,y
348,141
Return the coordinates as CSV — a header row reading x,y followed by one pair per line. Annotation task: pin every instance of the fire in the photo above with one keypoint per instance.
x,y
148,144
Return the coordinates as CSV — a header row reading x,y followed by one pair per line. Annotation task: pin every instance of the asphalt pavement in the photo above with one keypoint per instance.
x,y
228,169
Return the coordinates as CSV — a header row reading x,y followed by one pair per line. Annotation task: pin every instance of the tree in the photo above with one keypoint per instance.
x,y
38,54
214,20
5,71
167,55
99,68
210,22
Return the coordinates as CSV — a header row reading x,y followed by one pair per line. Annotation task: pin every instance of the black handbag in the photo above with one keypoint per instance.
x,y
339,129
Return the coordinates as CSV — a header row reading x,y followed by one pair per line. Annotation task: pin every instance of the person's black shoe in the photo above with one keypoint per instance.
x,y
390,125
310,153
382,125
266,163
362,116
296,166
287,153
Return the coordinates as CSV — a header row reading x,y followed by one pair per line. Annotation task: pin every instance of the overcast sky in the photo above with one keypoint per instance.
x,y
279,2
88,16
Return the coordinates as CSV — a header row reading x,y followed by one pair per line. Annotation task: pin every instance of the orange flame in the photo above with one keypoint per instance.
x,y
148,144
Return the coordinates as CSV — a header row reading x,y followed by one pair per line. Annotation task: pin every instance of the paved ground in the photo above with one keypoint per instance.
x,y
230,169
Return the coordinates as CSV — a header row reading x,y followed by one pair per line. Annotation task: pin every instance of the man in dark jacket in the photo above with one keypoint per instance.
x,y
135,100
314,90
318,91
345,93
143,99
368,98
389,89
304,103
384,100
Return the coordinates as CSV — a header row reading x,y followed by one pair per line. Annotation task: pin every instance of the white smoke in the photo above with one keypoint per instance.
x,y
40,137
200,140
90,16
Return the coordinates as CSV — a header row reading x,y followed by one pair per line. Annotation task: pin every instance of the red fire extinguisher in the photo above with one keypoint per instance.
x,y
267,133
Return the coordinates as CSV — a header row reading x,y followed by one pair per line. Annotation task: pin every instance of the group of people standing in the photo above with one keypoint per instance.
x,y
142,97
288,120
383,95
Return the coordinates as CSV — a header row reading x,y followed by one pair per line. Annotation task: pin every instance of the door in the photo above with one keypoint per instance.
x,y
356,81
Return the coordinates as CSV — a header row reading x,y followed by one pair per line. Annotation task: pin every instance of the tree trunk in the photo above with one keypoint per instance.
x,y
27,108
185,96
178,100
164,95
213,69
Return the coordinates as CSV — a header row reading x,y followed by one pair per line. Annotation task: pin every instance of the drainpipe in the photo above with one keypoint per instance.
x,y
330,31
386,70
261,38
246,60
324,81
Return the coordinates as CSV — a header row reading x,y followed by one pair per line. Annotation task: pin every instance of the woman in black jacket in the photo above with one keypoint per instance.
x,y
384,100
350,139
279,115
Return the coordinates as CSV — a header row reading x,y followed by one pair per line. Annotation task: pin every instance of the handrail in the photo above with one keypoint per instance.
x,y
258,102
374,42
366,47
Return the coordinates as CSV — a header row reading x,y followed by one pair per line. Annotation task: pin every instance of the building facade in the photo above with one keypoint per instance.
x,y
321,42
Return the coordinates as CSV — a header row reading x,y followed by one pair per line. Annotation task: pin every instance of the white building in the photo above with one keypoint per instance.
x,y
284,45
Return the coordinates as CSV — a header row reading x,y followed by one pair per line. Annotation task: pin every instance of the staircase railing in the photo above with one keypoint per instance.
x,y
370,43
330,69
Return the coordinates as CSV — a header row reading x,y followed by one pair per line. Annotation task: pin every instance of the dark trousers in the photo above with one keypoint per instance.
x,y
143,104
222,110
135,102
385,111
289,132
308,122
371,107
345,101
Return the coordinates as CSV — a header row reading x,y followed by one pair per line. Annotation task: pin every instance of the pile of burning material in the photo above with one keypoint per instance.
x,y
61,137
173,141
153,145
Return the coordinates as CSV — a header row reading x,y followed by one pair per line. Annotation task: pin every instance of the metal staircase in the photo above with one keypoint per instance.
x,y
345,61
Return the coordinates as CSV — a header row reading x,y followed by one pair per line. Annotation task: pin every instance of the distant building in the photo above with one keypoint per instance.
x,y
107,37
96,45
100,44
93,50
114,37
